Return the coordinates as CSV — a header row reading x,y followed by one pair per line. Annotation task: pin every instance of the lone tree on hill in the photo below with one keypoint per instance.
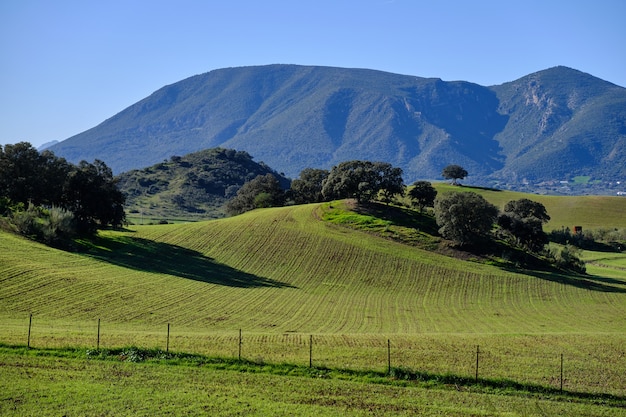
x,y
422,194
454,173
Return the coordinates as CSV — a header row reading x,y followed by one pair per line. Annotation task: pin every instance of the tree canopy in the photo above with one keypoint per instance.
x,y
422,194
308,187
454,173
464,217
92,195
523,219
363,180
88,191
262,191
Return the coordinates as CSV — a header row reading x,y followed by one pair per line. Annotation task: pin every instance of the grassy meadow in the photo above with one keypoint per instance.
x,y
43,385
589,211
286,278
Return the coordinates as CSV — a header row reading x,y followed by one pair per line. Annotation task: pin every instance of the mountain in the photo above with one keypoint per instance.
x,y
552,125
196,184
47,145
562,123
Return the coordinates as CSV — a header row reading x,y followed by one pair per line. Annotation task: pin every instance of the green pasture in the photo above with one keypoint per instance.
x,y
285,277
283,270
51,386
590,212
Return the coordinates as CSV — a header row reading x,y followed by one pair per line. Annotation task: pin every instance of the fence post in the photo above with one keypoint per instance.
x,y
388,356
239,344
561,372
98,344
167,345
30,324
310,351
477,354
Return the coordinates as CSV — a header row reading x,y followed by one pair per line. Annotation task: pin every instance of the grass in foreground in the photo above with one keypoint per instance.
x,y
79,381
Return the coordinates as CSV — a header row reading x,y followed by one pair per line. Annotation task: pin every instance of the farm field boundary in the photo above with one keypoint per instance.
x,y
591,363
393,376
64,382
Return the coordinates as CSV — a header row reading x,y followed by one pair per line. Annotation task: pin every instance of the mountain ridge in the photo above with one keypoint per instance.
x,y
550,125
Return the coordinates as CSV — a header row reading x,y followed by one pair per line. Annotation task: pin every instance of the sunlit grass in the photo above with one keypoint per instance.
x,y
63,382
282,275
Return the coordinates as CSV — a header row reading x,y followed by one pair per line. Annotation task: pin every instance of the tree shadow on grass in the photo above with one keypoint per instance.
x,y
586,282
163,258
533,266
399,216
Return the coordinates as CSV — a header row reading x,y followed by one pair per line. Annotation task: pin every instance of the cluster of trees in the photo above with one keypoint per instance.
x,y
362,180
466,218
262,191
47,197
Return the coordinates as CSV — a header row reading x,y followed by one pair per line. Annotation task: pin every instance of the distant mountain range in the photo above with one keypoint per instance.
x,y
554,125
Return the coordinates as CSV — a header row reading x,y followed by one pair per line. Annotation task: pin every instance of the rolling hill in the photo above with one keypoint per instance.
x,y
283,274
552,125
283,269
194,185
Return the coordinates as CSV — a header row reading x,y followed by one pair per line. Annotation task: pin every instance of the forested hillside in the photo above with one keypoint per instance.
x,y
199,183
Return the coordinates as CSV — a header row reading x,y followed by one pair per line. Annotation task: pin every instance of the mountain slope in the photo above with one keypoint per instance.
x,y
563,121
554,124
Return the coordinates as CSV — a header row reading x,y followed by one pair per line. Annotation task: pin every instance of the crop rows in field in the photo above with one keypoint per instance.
x,y
347,281
283,270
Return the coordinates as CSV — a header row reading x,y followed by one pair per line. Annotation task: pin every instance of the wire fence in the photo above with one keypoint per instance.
x,y
602,371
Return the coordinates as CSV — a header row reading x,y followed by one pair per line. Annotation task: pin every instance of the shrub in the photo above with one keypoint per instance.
x,y
568,257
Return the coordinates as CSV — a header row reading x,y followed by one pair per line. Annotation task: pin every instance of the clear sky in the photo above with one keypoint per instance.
x,y
66,66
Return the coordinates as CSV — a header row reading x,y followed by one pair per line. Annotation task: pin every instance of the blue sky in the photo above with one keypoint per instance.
x,y
66,66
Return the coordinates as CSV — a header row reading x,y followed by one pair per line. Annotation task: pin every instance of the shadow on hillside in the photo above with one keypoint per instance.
x,y
587,282
150,256
533,266
478,187
399,216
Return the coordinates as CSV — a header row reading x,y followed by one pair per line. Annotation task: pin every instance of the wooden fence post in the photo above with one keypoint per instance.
x,y
561,372
477,354
30,324
98,343
167,345
388,356
239,344
310,351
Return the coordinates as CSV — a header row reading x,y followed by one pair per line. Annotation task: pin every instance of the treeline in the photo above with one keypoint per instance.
x,y
51,200
466,218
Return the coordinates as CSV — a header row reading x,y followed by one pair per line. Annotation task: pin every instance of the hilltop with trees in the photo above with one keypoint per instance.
x,y
193,186
49,199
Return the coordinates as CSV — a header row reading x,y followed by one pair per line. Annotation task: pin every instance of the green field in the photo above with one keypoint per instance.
x,y
51,386
283,276
590,212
